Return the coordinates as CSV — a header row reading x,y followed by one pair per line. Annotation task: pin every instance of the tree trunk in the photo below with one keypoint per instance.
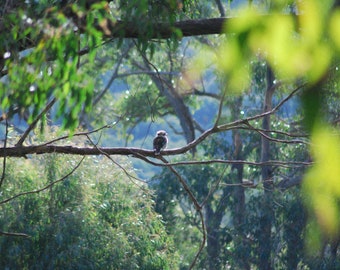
x,y
266,218
238,191
213,244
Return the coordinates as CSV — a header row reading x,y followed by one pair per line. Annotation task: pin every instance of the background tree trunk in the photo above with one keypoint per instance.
x,y
176,102
238,191
213,244
266,218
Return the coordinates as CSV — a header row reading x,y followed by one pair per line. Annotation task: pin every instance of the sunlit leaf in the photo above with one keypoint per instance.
x,y
322,182
334,28
311,19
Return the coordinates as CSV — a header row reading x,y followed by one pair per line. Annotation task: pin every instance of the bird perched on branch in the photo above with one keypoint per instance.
x,y
160,141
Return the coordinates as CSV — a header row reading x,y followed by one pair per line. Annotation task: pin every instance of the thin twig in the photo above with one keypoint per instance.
x,y
288,134
204,239
212,190
279,163
220,107
77,134
34,123
5,157
262,132
45,187
198,208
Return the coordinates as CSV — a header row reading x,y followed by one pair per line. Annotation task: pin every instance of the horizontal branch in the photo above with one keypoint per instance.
x,y
188,28
278,163
22,151
14,234
243,162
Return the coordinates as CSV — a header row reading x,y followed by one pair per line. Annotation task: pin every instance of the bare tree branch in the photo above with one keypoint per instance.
x,y
78,134
279,132
264,133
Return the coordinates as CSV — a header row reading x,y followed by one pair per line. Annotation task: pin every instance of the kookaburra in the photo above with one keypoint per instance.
x,y
160,141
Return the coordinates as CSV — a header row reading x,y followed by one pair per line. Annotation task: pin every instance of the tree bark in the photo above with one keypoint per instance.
x,y
266,217
238,191
213,244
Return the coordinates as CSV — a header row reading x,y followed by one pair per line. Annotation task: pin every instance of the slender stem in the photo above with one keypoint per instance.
x,y
34,123
5,157
197,206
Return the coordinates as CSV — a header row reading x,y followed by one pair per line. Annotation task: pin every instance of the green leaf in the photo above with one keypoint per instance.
x,y
321,184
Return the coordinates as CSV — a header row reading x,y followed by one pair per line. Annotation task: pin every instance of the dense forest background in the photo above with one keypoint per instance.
x,y
248,92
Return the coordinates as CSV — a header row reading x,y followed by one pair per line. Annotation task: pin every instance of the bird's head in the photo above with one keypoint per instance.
x,y
161,133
